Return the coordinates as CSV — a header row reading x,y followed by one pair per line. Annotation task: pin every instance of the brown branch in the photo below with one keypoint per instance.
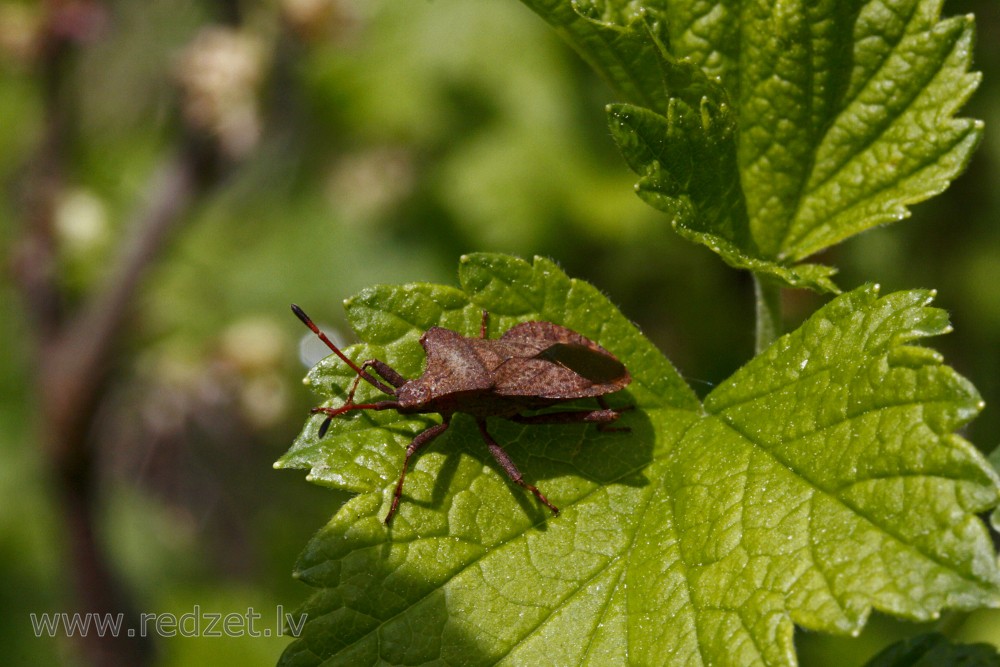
x,y
75,366
75,363
76,352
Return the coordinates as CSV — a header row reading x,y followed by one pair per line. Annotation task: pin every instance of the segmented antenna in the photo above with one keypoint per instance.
x,y
299,313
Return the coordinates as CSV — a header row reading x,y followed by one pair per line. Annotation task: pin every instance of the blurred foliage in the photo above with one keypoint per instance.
x,y
934,650
374,148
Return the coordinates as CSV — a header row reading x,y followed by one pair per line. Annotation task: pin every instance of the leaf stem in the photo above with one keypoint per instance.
x,y
767,301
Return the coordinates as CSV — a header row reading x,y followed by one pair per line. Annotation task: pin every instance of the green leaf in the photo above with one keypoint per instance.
x,y
934,650
688,164
622,41
822,480
862,123
994,459
809,122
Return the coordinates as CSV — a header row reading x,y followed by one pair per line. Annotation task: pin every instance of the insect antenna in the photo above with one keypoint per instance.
x,y
324,426
299,313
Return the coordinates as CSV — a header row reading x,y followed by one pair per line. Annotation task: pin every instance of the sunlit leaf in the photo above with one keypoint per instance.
x,y
822,480
805,124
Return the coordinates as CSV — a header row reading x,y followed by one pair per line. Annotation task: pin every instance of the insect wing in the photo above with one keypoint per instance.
x,y
556,362
452,364
598,367
540,335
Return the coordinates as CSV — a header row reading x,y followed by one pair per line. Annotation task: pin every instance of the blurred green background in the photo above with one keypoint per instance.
x,y
361,142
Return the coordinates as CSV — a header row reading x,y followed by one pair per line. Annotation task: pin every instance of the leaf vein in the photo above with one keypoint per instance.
x,y
860,148
856,510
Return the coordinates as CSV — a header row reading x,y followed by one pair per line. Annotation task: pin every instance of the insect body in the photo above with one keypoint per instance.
x,y
533,365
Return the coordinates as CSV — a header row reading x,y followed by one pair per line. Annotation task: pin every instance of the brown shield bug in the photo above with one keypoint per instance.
x,y
533,365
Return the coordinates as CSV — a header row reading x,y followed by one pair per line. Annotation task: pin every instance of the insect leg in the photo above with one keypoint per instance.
x,y
482,326
603,426
606,415
347,407
387,372
508,466
599,417
383,369
415,446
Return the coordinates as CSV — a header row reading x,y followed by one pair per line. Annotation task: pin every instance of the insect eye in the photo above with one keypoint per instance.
x,y
595,366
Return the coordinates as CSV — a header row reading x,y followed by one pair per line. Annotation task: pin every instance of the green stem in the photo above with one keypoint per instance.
x,y
767,297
